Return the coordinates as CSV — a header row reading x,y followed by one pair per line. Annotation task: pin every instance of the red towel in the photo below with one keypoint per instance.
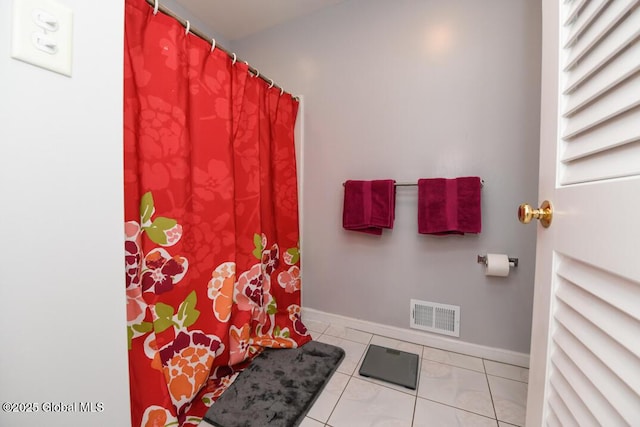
x,y
449,206
369,206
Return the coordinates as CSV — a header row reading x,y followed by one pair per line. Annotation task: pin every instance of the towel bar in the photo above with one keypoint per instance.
x,y
415,184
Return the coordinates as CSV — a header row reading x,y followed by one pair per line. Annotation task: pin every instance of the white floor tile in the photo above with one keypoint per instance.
x,y
453,359
503,370
353,352
315,335
462,388
327,400
430,414
364,404
308,422
315,325
509,399
348,333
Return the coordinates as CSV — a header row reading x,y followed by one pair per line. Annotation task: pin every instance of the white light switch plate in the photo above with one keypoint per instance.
x,y
42,34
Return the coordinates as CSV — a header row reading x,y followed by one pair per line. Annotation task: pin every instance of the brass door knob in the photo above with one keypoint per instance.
x,y
545,214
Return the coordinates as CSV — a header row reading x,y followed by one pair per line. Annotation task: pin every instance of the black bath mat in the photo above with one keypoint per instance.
x,y
278,388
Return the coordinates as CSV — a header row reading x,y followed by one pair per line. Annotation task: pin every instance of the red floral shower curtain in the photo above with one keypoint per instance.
x,y
211,233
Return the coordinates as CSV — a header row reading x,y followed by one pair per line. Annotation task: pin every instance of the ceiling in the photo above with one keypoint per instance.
x,y
237,19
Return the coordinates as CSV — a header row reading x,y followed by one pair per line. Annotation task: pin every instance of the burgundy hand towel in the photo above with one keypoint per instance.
x,y
369,206
449,206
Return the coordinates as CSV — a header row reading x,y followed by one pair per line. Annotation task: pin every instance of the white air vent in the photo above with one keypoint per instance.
x,y
435,317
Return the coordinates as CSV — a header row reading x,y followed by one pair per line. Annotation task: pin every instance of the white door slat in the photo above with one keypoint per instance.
x,y
608,398
574,404
620,130
584,19
552,420
588,392
613,322
573,11
598,50
619,69
614,290
560,410
592,338
617,101
617,162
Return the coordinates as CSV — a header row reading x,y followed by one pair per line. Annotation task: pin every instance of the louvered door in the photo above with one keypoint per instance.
x,y
585,348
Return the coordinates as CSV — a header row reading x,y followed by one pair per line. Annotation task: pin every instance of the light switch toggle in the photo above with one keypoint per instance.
x,y
45,20
42,34
44,43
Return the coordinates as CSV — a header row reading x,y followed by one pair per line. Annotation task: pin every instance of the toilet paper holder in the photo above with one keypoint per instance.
x,y
482,259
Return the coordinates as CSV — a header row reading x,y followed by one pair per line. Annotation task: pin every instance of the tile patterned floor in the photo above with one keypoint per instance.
x,y
453,390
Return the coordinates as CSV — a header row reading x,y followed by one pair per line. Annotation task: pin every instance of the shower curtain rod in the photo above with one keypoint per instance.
x,y
185,23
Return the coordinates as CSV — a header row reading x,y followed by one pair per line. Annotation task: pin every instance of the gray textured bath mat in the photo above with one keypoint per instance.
x,y
278,388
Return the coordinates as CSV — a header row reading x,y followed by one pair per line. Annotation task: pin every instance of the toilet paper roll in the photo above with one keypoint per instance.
x,y
497,265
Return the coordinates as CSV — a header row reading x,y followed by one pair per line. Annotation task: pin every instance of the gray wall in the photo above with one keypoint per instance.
x,y
62,299
409,89
194,21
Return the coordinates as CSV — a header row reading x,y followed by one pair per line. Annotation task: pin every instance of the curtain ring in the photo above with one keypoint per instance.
x,y
246,63
271,85
234,59
213,44
188,27
257,73
156,5
281,91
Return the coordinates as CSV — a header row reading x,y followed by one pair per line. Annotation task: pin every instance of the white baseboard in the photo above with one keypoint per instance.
x,y
420,337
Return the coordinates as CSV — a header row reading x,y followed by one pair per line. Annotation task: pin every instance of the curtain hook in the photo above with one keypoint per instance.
x,y
271,85
248,67
281,91
213,44
188,27
156,5
257,73
234,59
